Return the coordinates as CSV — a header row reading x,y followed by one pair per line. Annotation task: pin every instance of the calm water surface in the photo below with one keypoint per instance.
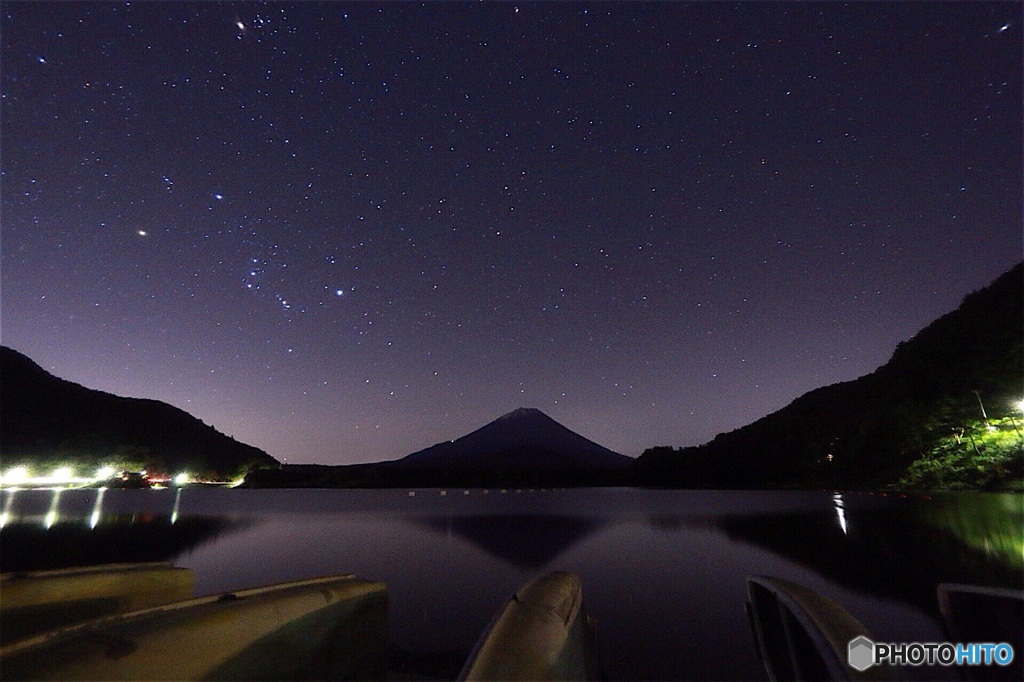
x,y
663,571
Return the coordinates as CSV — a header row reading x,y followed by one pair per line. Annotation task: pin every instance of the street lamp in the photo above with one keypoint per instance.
x,y
1019,405
15,476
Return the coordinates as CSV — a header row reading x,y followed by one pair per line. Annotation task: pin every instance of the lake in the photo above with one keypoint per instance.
x,y
664,572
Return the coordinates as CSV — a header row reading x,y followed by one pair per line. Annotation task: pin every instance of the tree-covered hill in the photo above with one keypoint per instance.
x,y
917,421
46,422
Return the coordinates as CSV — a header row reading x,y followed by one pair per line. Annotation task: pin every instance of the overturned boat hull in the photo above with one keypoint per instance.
x,y
36,601
803,635
322,628
541,633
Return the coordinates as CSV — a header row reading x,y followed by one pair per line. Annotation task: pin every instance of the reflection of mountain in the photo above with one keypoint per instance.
x,y
666,522
117,538
404,664
899,556
524,540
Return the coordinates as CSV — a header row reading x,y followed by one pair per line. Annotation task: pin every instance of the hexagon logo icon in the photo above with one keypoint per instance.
x,y
860,653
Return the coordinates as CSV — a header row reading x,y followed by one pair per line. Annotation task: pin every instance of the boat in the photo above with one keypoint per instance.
x,y
541,633
331,627
803,635
974,613
35,601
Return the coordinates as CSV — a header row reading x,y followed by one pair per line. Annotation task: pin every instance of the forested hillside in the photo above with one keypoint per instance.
x,y
944,412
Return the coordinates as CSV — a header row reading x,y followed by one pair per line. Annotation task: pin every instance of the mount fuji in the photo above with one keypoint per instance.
x,y
525,438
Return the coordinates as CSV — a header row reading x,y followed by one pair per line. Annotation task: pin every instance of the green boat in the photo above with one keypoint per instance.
x,y
37,601
322,628
541,633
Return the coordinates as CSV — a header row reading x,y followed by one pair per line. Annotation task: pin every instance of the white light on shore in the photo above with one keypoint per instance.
x,y
15,476
62,475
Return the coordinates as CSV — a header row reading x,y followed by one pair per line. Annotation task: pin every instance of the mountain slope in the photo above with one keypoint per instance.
x,y
523,448
525,438
48,421
868,431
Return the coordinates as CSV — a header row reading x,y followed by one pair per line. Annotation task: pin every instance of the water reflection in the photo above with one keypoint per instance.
x,y
990,523
904,556
97,509
54,512
177,506
530,541
840,507
5,515
664,572
59,528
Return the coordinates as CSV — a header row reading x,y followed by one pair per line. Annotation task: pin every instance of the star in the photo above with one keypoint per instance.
x,y
643,207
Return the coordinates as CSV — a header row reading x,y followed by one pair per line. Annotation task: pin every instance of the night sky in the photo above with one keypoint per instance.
x,y
343,232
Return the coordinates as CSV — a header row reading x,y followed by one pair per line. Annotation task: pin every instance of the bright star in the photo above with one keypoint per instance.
x,y
1004,27
141,233
218,197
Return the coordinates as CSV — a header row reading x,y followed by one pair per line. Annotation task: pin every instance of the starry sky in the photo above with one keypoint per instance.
x,y
343,232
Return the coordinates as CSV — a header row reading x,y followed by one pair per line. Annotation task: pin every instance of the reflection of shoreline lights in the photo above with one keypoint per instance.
x,y
46,508
840,506
53,515
177,504
5,516
97,509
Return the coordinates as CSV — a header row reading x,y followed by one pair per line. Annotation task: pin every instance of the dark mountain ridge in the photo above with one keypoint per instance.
x,y
866,432
863,433
47,421
526,438
522,448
